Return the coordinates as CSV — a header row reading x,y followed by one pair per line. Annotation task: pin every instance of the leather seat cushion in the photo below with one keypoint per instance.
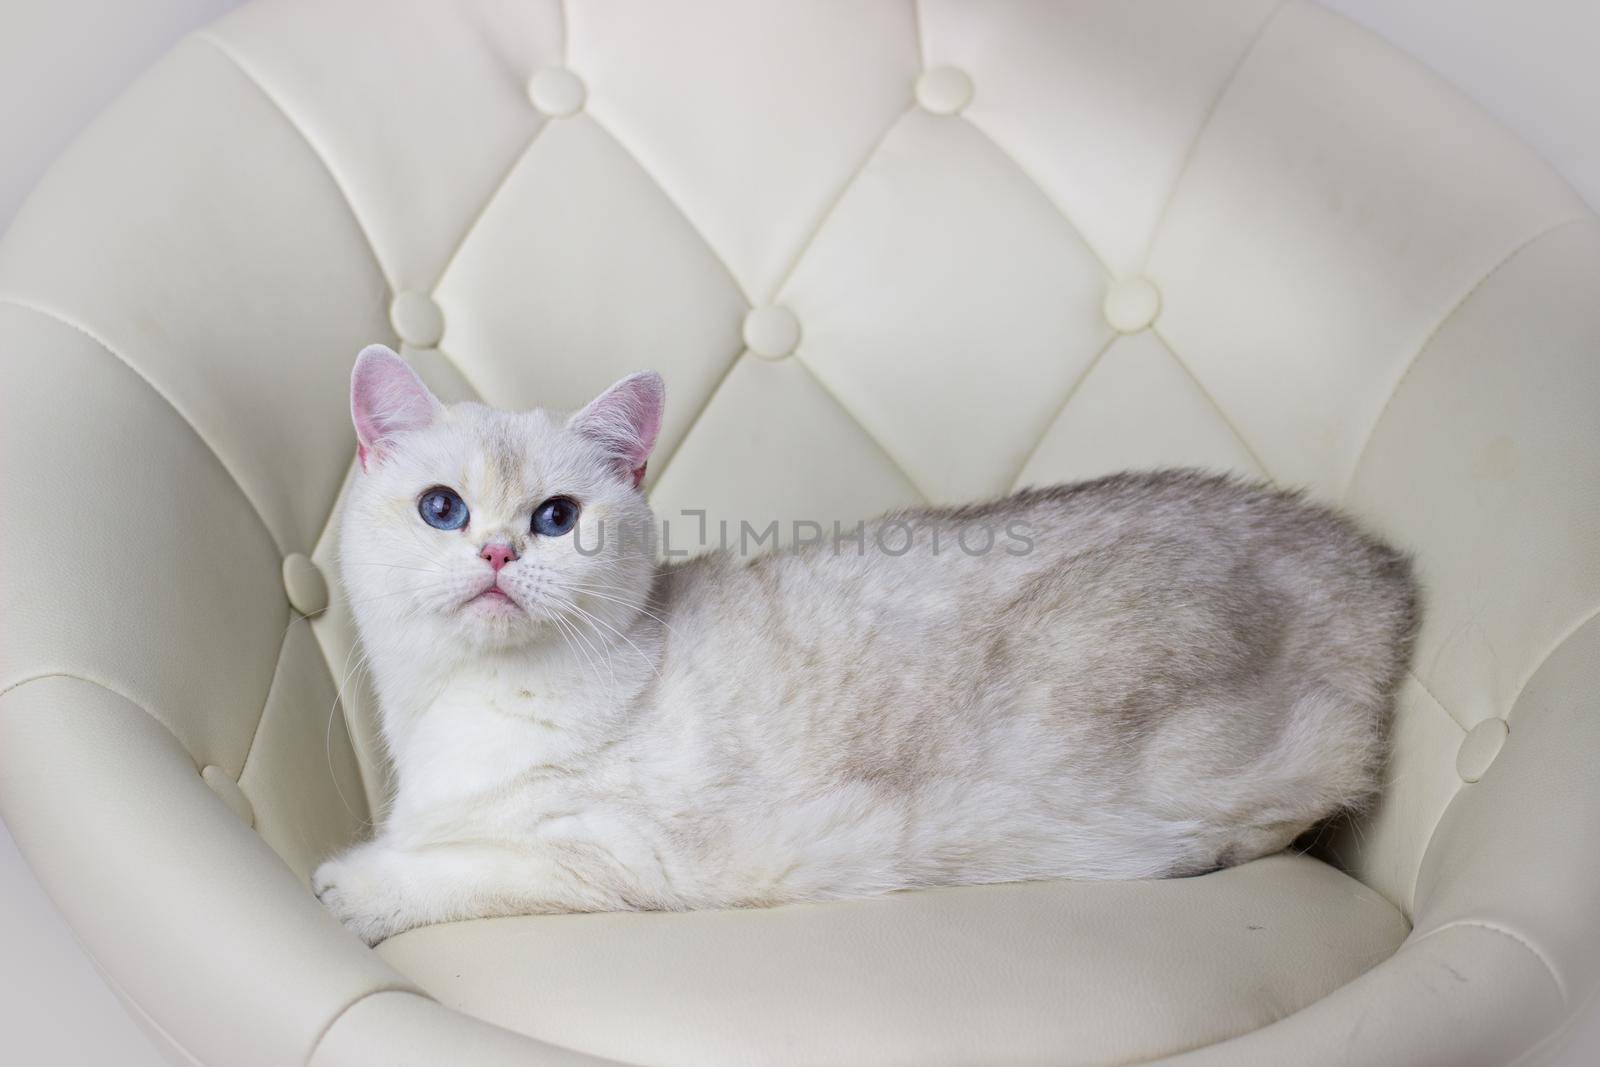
x,y
1113,971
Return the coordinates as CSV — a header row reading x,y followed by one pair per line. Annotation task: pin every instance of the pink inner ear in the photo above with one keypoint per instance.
x,y
386,398
625,420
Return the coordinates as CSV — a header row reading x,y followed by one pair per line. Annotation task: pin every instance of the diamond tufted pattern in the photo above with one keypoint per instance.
x,y
884,252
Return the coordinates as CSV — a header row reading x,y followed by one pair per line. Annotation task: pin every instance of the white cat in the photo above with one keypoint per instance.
x,y
1154,675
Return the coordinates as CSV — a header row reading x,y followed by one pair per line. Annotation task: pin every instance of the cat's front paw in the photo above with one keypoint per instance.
x,y
353,888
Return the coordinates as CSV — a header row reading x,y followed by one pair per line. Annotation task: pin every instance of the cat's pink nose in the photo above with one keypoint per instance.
x,y
497,555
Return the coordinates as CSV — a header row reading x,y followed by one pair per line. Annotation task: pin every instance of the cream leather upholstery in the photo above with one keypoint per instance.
x,y
883,252
1043,972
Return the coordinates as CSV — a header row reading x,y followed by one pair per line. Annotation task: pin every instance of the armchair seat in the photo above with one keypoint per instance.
x,y
1065,974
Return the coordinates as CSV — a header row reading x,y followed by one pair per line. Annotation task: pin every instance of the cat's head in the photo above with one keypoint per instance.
x,y
472,529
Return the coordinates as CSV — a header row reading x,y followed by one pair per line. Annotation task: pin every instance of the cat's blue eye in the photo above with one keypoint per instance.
x,y
555,516
442,508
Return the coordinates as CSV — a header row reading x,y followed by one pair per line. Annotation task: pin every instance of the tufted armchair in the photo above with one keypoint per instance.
x,y
883,252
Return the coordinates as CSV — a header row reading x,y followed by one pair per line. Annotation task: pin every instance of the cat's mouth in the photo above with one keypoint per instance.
x,y
495,597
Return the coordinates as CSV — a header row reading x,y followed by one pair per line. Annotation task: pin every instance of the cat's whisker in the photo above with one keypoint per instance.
x,y
414,557
590,591
419,591
632,590
362,661
565,628
593,640
593,619
395,566
604,645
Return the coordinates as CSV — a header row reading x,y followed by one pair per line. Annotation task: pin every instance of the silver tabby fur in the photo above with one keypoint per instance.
x,y
1186,671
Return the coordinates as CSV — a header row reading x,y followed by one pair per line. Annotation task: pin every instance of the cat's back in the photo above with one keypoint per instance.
x,y
1127,591
1124,535
1127,644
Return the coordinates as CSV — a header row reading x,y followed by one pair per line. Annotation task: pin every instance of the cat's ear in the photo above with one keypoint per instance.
x,y
624,420
386,398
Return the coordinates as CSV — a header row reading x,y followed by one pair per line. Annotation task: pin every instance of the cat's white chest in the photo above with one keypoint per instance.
x,y
490,730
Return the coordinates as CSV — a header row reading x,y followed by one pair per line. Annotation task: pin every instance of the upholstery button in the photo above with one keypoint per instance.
x,y
417,319
557,92
771,332
303,581
944,90
1132,305
231,794
1480,747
